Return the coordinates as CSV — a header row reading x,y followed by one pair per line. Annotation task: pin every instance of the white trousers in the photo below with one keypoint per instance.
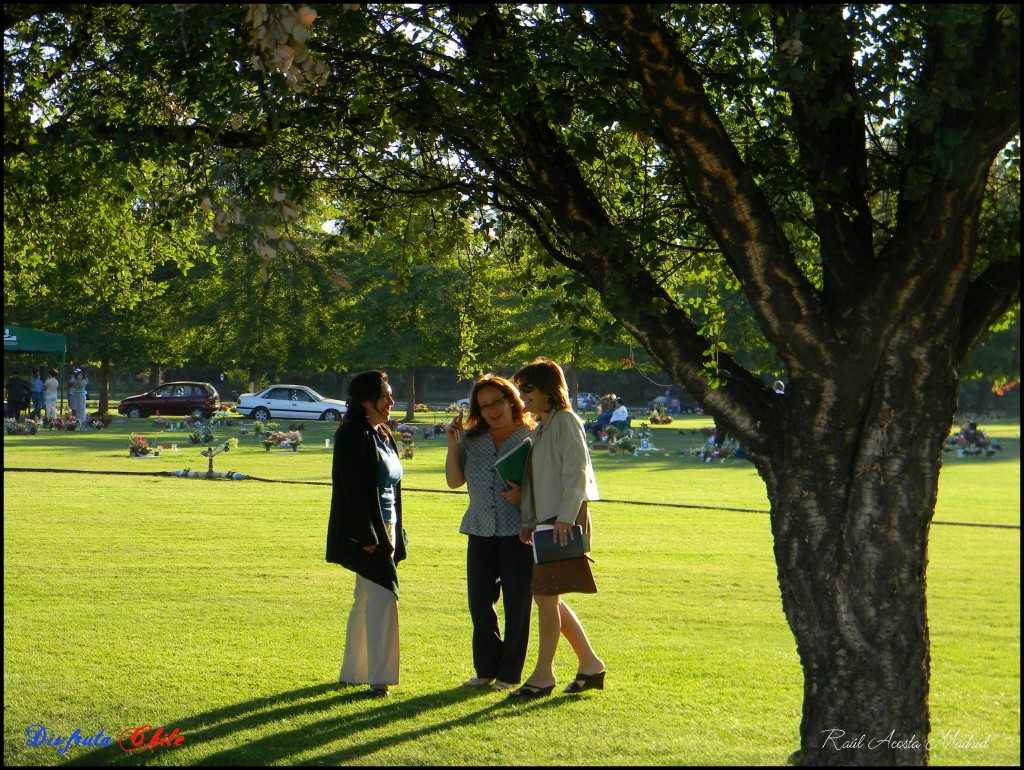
x,y
371,642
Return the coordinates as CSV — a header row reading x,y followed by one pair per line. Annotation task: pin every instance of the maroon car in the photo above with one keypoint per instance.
x,y
196,399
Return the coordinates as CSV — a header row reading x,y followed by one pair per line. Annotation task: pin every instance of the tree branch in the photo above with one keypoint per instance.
x,y
751,239
596,248
950,148
830,130
989,296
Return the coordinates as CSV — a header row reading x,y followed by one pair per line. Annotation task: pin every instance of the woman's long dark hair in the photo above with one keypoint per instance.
x,y
475,422
366,386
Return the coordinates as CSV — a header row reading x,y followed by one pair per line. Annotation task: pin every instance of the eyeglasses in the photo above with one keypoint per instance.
x,y
498,402
527,387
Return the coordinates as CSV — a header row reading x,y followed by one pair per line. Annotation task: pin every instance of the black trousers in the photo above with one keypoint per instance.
x,y
499,566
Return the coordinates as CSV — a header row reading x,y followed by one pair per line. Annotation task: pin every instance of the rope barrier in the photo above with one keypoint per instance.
x,y
233,476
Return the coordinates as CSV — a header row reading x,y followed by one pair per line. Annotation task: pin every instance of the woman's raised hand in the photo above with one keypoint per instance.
x,y
455,429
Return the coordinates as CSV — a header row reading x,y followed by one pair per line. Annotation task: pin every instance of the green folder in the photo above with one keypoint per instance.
x,y
512,464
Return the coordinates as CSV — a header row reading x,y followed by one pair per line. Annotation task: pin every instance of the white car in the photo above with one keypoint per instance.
x,y
290,402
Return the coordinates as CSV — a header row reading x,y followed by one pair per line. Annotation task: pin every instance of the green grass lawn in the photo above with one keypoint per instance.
x,y
208,606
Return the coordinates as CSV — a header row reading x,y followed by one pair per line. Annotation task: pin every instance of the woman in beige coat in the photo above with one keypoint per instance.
x,y
559,483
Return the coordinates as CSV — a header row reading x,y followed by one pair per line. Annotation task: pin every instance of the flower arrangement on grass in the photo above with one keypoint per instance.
x,y
407,445
711,451
202,434
622,444
227,413
438,429
139,447
12,427
160,423
290,440
28,427
609,435
61,422
659,416
972,441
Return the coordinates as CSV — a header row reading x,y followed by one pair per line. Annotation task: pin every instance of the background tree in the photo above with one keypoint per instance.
x,y
835,164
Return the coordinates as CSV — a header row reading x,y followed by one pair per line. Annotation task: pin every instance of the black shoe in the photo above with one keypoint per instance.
x,y
378,692
531,691
587,682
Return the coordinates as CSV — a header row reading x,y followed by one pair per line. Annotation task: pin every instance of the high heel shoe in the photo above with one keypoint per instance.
x,y
589,682
531,691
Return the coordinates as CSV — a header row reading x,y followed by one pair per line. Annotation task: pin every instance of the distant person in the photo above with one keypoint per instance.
x,y
604,417
558,484
365,532
78,389
17,395
35,389
620,417
50,387
498,563
675,396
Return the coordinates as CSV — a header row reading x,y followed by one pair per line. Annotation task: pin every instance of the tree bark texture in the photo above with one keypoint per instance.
x,y
851,510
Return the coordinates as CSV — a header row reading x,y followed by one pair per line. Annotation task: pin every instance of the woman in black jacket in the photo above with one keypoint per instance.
x,y
365,533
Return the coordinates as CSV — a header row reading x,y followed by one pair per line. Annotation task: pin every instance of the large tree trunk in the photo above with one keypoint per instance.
x,y
421,385
984,390
255,376
851,511
104,405
410,382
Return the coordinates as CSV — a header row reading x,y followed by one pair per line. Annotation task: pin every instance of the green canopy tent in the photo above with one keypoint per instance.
x,y
19,339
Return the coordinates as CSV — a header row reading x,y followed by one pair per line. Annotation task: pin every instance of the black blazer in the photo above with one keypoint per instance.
x,y
356,517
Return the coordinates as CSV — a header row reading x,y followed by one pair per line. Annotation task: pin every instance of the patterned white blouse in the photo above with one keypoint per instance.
x,y
489,514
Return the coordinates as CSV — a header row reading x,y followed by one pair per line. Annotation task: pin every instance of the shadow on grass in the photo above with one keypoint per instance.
x,y
261,714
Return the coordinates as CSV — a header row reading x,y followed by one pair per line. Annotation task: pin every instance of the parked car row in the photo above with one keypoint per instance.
x,y
200,399
293,402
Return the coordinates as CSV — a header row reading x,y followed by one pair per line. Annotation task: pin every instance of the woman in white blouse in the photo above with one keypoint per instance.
x,y
559,483
498,564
